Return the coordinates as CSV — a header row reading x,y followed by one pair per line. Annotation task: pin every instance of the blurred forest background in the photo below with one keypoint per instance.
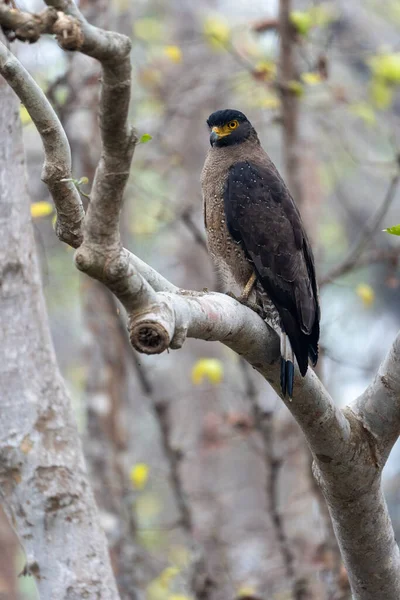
x,y
201,475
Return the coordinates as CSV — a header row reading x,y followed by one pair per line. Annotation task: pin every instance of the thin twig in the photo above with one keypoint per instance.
x,y
352,259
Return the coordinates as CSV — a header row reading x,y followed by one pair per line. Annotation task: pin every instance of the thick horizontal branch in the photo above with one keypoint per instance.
x,y
105,46
217,317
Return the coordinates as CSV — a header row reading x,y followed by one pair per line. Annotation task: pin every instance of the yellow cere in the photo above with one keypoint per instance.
x,y
226,129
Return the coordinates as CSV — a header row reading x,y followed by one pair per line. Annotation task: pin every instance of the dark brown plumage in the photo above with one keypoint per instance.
x,y
253,226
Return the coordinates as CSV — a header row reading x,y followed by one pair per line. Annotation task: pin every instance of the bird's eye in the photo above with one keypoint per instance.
x,y
233,125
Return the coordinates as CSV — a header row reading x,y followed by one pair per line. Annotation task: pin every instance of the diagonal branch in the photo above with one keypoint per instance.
x,y
56,172
379,408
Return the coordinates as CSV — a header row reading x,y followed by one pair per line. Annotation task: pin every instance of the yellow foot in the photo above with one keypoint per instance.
x,y
248,288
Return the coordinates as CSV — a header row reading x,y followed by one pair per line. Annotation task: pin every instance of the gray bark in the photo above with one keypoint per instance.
x,y
43,482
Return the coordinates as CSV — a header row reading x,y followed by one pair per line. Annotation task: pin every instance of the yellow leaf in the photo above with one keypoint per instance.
x,y
270,101
311,78
365,112
316,16
366,293
386,66
265,69
216,31
207,368
246,591
381,94
160,587
165,578
24,115
139,475
41,209
296,88
174,53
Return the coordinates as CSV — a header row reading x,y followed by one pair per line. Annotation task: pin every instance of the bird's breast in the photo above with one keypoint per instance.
x,y
228,256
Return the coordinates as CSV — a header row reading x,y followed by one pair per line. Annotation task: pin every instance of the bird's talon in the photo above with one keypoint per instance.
x,y
243,300
232,295
254,307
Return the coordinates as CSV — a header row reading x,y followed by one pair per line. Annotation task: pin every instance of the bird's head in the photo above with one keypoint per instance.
x,y
229,127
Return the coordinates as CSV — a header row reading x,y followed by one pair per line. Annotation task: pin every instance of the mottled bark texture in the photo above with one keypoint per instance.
x,y
349,447
43,483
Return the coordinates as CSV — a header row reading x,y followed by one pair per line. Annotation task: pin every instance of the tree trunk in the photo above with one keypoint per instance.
x,y
43,479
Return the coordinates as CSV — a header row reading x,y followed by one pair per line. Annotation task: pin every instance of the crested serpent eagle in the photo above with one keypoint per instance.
x,y
257,240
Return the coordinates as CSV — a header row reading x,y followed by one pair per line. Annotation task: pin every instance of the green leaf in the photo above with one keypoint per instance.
x,y
301,21
146,137
395,230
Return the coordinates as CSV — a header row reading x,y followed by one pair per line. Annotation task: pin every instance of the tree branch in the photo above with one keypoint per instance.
x,y
289,101
349,447
378,408
56,172
25,26
353,259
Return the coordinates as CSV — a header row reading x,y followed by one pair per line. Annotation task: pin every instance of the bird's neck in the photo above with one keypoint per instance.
x,y
250,150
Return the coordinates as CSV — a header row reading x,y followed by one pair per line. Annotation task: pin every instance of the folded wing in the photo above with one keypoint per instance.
x,y
262,217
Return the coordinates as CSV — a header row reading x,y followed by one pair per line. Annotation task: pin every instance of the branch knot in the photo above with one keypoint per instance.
x,y
68,32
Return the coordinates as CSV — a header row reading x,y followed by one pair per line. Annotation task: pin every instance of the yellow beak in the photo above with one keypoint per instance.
x,y
221,131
